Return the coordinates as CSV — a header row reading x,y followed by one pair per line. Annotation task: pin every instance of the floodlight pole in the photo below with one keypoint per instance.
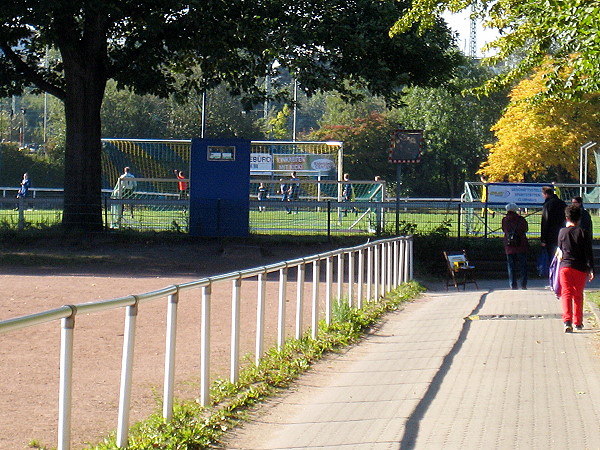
x,y
295,115
203,129
583,164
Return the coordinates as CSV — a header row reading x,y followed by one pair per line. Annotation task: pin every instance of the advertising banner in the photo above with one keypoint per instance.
x,y
290,162
523,194
261,163
325,164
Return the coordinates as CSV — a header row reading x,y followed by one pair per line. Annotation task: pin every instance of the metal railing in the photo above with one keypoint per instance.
x,y
368,271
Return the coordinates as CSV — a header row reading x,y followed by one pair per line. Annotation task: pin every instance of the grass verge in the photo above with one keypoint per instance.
x,y
194,427
593,296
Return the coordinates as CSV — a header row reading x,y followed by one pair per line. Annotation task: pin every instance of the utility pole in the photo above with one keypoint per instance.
x,y
473,32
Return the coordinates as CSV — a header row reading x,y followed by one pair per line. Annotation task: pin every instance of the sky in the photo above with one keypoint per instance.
x,y
461,23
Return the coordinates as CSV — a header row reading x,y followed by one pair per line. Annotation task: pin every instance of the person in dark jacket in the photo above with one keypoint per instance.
x,y
576,267
553,219
586,219
516,246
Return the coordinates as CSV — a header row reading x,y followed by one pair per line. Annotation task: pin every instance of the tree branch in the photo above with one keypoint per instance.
x,y
30,73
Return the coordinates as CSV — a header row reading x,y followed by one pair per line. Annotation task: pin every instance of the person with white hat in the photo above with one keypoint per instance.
x,y
516,246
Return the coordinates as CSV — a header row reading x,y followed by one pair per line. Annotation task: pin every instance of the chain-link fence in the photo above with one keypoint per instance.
x,y
318,209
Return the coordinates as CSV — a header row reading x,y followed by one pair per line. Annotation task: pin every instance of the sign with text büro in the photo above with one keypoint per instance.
x,y
261,164
523,194
405,146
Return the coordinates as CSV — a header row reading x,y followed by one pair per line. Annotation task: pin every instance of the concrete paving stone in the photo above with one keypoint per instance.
x,y
429,378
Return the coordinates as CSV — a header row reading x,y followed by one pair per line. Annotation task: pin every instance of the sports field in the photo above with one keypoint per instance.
x,y
291,218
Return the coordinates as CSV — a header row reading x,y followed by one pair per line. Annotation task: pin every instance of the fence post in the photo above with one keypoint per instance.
x,y
260,318
315,299
376,262
382,269
350,278
390,265
170,347
205,346
235,330
66,382
458,220
340,276
126,374
410,259
328,289
300,299
361,274
396,262
329,219
281,309
369,272
402,261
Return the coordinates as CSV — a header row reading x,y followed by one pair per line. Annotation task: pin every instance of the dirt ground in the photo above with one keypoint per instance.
x,y
36,276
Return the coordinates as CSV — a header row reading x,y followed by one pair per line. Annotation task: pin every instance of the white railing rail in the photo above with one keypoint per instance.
x,y
389,263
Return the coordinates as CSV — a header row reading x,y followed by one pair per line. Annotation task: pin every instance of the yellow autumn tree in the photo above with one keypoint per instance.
x,y
537,139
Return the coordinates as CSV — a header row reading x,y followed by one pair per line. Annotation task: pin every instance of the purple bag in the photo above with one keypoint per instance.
x,y
554,276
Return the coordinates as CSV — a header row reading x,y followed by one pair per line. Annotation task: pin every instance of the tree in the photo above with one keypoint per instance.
x,y
540,140
144,44
456,127
569,30
366,142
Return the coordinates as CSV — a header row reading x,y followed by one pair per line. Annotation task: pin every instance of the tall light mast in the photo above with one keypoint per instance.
x,y
473,32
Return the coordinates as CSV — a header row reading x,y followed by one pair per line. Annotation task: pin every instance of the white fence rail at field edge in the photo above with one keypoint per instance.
x,y
373,269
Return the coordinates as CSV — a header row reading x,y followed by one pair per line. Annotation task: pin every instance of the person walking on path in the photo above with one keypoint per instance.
x,y
516,246
576,266
553,219
586,219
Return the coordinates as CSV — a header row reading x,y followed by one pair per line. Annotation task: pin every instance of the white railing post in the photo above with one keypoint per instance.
x,y
328,289
410,259
260,318
205,346
66,382
396,262
401,261
350,278
376,274
370,273
170,346
340,276
281,308
126,374
390,263
300,299
361,273
315,300
235,330
382,269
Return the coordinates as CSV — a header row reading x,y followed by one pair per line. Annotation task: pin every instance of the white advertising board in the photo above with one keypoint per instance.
x,y
523,194
261,163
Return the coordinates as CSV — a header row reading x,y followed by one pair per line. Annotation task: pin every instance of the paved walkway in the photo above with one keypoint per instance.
x,y
431,379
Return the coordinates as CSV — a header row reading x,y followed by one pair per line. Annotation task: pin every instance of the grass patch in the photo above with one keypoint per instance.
x,y
195,427
593,296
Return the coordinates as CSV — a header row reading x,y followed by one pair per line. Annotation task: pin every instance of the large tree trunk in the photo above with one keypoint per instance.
x,y
85,77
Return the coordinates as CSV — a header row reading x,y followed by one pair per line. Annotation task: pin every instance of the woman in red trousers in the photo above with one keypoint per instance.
x,y
576,267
